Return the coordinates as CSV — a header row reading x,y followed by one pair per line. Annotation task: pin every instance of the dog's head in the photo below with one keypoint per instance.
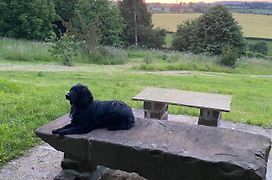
x,y
80,97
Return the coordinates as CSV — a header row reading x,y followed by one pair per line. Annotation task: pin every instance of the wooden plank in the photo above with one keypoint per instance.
x,y
185,98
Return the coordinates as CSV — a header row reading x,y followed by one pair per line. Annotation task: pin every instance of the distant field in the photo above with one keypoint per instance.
x,y
254,25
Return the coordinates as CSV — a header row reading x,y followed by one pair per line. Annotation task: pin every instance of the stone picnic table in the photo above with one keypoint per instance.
x,y
156,101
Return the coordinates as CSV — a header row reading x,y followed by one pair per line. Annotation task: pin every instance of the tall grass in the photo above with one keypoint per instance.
x,y
23,50
162,60
173,61
103,55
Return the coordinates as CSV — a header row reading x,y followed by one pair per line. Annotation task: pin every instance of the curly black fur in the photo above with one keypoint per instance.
x,y
87,114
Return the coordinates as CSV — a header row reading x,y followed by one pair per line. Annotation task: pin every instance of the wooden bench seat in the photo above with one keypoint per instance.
x,y
158,149
156,101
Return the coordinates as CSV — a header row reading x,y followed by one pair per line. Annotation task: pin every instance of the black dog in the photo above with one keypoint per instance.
x,y
87,114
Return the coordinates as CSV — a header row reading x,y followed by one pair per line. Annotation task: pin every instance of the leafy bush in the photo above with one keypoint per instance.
x,y
229,57
30,19
82,13
255,54
182,39
259,47
65,48
210,33
151,38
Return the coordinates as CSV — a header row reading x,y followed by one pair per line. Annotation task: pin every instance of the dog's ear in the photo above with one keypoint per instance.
x,y
71,112
88,97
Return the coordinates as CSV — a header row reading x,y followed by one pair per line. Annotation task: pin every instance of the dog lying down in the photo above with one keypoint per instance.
x,y
87,114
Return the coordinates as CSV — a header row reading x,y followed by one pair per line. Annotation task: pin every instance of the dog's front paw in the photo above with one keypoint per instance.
x,y
55,131
62,132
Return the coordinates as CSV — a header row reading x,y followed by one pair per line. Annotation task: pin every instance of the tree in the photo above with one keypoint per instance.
x,y
182,38
31,19
66,10
82,13
210,33
138,25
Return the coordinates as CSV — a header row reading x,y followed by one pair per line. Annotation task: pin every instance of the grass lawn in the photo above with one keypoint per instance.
x,y
31,99
254,25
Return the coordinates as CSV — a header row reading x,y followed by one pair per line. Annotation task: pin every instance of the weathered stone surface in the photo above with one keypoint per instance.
x,y
77,164
76,145
209,117
120,175
155,110
72,175
166,150
185,98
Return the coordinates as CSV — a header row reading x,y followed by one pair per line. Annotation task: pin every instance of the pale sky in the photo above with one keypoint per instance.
x,y
177,1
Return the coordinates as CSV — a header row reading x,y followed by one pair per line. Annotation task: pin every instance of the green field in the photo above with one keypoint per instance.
x,y
253,25
32,88
31,99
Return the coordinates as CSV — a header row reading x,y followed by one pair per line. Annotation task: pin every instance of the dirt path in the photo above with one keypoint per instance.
x,y
39,163
99,68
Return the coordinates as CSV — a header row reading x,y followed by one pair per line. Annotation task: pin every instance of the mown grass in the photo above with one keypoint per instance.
x,y
31,99
254,25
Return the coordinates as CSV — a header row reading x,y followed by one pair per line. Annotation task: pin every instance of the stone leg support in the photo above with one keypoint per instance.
x,y
75,168
156,110
209,117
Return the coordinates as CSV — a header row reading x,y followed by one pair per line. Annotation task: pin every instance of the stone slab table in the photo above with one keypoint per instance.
x,y
158,149
156,101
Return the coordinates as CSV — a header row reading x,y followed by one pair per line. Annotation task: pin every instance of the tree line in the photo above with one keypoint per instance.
x,y
114,25
90,25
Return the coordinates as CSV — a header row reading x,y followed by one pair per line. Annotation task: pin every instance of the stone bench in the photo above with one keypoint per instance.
x,y
156,101
157,149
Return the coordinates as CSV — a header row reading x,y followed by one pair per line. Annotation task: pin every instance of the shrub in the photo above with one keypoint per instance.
x,y
259,47
31,19
151,38
82,13
229,57
65,48
210,33
255,54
